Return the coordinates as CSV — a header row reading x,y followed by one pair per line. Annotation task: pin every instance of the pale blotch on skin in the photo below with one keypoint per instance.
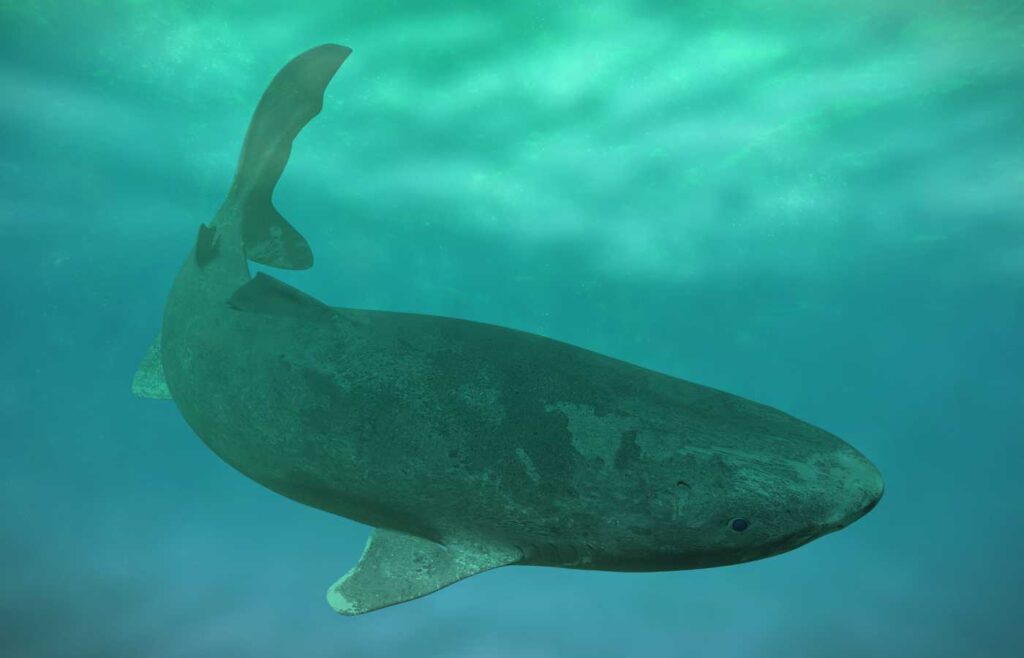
x,y
593,437
531,470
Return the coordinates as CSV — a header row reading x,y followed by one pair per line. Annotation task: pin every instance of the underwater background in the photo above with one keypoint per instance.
x,y
816,205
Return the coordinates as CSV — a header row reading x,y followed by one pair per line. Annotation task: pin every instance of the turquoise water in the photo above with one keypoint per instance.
x,y
813,205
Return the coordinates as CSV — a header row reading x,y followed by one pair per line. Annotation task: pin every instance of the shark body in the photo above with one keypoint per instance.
x,y
467,446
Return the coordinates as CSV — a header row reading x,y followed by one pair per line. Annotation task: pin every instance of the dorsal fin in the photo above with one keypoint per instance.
x,y
265,294
293,98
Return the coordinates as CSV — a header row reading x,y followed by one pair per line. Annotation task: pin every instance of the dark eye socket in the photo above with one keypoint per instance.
x,y
739,525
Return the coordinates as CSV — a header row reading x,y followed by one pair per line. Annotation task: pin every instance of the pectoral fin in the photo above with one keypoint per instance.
x,y
149,381
397,567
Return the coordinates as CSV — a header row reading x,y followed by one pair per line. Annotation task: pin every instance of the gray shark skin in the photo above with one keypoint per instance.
x,y
467,446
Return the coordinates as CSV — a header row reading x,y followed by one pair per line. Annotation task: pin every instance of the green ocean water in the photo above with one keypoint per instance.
x,y
819,206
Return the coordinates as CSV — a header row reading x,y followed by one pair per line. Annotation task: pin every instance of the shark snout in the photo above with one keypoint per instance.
x,y
864,487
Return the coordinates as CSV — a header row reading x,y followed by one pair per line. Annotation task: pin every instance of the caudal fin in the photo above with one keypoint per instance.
x,y
293,98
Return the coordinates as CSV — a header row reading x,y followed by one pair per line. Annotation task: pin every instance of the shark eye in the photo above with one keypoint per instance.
x,y
739,525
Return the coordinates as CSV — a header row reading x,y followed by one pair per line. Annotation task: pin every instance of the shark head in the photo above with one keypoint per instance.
x,y
775,512
781,485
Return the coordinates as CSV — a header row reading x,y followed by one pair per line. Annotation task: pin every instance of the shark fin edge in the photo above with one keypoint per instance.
x,y
149,381
270,240
206,245
397,567
266,295
293,98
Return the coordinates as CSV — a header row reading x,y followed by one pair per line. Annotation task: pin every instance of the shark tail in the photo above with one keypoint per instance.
x,y
293,98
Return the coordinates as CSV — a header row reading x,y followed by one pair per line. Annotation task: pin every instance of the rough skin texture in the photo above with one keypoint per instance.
x,y
468,445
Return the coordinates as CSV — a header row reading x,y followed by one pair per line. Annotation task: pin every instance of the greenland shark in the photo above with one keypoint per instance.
x,y
467,446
